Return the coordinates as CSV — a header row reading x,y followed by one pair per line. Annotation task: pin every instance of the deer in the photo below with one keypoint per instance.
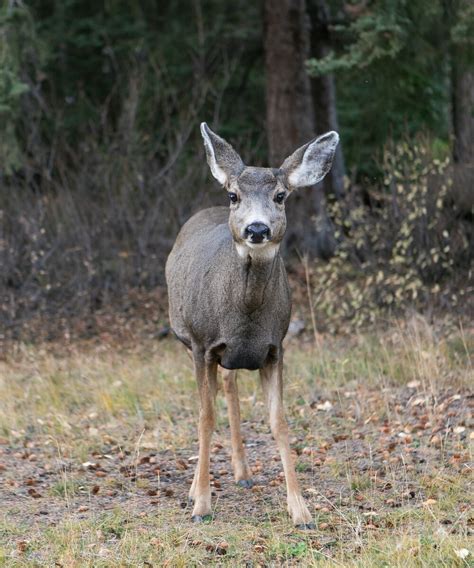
x,y
230,302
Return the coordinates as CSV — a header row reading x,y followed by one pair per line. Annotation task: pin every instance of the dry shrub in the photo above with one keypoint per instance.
x,y
402,246
101,223
104,232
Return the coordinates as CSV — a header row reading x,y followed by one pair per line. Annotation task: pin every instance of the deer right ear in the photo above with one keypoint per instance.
x,y
221,157
310,163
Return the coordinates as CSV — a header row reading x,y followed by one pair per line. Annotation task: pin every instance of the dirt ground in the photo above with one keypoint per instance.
x,y
382,465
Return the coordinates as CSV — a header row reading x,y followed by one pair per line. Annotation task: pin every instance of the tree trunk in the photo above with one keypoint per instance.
x,y
324,94
463,106
462,97
289,107
290,119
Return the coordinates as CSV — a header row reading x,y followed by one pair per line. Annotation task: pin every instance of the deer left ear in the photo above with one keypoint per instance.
x,y
310,163
223,160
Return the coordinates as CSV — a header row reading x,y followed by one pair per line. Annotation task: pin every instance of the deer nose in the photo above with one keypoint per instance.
x,y
257,232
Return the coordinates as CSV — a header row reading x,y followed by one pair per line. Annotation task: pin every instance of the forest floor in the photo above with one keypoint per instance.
x,y
98,447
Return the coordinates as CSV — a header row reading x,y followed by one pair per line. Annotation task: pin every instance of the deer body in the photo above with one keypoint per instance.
x,y
230,301
234,309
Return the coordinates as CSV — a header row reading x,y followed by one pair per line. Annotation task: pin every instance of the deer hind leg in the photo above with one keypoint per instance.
x,y
200,492
272,384
239,461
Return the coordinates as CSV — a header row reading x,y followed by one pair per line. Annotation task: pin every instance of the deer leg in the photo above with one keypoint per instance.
x,y
200,492
272,384
239,461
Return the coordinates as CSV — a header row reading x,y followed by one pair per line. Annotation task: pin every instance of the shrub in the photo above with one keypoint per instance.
x,y
398,246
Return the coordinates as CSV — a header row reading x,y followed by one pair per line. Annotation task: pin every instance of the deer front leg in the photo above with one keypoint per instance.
x,y
272,384
239,461
200,492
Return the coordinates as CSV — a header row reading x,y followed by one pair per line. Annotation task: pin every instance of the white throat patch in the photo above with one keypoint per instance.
x,y
264,251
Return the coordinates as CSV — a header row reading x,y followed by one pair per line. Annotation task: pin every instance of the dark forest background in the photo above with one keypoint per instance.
x,y
101,160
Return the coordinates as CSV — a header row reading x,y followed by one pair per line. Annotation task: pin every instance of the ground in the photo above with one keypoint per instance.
x,y
98,447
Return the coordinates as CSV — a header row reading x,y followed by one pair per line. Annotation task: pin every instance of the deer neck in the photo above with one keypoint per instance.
x,y
258,271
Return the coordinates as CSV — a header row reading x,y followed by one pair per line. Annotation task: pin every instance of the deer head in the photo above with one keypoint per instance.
x,y
258,196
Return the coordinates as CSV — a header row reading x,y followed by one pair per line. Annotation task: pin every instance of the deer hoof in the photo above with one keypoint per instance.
x,y
306,526
201,518
245,483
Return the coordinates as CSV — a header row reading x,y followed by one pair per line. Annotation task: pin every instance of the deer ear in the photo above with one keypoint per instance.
x,y
310,163
221,157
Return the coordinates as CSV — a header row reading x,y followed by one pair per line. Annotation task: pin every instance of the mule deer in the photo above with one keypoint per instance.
x,y
230,302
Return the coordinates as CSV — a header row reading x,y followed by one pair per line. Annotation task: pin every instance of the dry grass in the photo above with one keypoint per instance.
x,y
95,443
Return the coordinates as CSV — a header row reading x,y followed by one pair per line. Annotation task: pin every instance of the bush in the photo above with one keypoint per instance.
x,y
398,246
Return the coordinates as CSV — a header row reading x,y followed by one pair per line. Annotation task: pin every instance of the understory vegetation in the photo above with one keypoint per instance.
x,y
101,160
408,250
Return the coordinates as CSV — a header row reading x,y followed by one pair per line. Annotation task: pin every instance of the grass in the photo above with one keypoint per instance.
x,y
97,446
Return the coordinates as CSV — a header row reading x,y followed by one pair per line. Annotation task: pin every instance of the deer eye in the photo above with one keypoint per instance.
x,y
233,197
280,197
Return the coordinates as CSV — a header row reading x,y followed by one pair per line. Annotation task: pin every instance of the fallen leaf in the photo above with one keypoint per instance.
x,y
436,441
22,546
181,464
221,548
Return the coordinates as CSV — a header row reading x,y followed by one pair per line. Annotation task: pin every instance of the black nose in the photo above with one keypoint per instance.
x,y
257,232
